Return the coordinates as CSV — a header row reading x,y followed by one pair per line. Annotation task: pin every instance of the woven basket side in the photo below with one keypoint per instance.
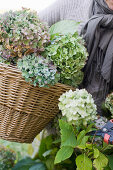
x,y
18,126
17,94
24,109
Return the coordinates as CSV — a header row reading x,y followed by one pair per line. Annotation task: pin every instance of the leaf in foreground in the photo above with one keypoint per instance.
x,y
100,162
67,134
63,154
83,163
28,163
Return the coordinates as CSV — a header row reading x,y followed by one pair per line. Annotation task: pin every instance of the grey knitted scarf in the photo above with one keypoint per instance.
x,y
99,7
98,34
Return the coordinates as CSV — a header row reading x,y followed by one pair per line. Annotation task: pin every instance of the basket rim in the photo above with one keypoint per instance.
x,y
16,70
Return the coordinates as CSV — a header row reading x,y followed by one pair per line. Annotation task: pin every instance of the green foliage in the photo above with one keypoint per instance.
x,y
82,139
100,162
46,145
64,27
64,153
69,55
109,103
7,158
38,70
110,158
96,153
29,164
83,153
21,150
47,152
21,33
38,166
67,134
88,154
83,162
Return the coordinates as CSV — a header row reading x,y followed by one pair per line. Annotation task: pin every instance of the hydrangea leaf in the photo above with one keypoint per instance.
x,y
80,136
82,143
100,162
96,153
83,162
28,163
110,158
67,134
64,27
63,154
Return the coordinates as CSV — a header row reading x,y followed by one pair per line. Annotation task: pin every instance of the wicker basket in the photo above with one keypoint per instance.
x,y
24,109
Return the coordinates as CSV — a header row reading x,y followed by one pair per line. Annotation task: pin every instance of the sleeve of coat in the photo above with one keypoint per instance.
x,y
51,14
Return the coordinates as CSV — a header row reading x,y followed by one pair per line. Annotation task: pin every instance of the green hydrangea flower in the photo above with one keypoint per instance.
x,y
7,158
109,103
69,54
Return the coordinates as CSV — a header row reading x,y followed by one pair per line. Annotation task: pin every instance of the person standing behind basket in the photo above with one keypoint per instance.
x,y
76,10
98,35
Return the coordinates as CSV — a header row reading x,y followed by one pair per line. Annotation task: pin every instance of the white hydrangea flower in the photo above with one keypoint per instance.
x,y
78,106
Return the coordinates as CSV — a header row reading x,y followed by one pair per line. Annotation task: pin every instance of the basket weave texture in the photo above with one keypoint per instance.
x,y
24,109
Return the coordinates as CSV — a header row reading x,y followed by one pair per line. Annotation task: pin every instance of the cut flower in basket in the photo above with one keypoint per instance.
x,y
78,107
25,39
38,70
69,54
21,33
109,103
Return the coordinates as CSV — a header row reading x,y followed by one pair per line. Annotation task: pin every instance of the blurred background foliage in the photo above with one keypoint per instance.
x,y
21,149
